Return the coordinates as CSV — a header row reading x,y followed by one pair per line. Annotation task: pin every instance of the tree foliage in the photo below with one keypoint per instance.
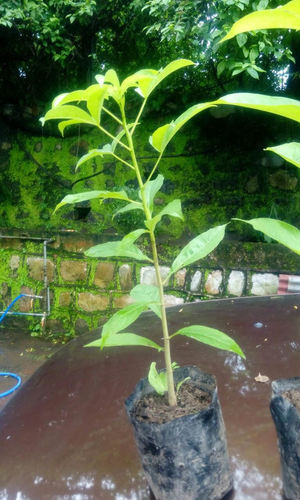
x,y
194,28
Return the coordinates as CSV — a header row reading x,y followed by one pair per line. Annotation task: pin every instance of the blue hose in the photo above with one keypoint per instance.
x,y
13,375
11,304
8,374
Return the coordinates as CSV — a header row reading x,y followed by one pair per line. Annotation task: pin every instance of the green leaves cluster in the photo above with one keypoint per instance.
x,y
103,98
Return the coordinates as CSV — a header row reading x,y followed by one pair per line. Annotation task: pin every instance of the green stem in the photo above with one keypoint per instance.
x,y
167,352
112,115
123,161
113,137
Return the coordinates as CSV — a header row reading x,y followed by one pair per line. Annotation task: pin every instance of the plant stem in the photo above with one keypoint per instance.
x,y
167,352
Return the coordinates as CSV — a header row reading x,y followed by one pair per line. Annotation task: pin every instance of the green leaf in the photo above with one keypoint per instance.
x,y
162,136
283,106
137,78
91,195
106,150
131,206
95,101
173,209
280,231
133,236
252,72
69,112
290,152
163,73
151,189
220,68
126,339
198,248
157,380
212,337
76,95
67,123
241,39
286,17
116,249
147,294
112,77
121,319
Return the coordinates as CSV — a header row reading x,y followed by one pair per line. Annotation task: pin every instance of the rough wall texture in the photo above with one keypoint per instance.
x,y
85,292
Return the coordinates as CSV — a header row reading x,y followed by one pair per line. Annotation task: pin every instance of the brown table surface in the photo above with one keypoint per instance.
x,y
65,434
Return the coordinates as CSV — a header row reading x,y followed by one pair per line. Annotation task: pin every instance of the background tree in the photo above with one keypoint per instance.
x,y
194,28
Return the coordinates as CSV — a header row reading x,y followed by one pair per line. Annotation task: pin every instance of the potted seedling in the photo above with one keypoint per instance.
x,y
182,446
285,400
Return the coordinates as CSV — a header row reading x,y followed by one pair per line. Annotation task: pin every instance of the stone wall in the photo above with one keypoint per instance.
x,y
85,292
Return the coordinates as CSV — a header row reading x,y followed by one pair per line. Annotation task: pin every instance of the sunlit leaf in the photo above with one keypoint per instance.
x,y
157,380
121,319
285,17
147,294
289,152
133,236
76,96
95,101
173,209
92,195
151,189
106,150
198,248
162,136
280,231
67,123
212,337
128,208
67,112
125,339
147,80
116,249
283,106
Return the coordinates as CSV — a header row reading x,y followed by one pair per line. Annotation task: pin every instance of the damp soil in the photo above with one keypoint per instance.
x,y
155,408
293,396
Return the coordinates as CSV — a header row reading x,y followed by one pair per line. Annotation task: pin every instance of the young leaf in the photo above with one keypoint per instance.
x,y
125,339
66,123
289,152
91,195
162,136
280,231
198,248
133,236
106,150
66,112
76,96
147,294
283,106
173,209
95,101
116,249
121,319
286,16
152,188
157,380
131,206
212,337
163,73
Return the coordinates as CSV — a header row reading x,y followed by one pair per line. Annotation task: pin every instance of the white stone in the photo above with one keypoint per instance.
x,y
172,300
180,278
236,283
264,284
148,276
196,282
213,282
